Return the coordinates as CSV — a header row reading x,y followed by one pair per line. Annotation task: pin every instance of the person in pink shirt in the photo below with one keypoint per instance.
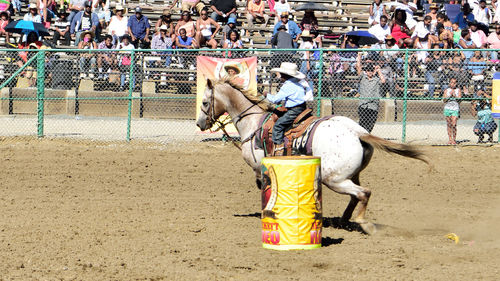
x,y
4,20
494,42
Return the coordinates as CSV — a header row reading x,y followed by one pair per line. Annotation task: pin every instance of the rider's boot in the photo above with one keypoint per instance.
x,y
278,149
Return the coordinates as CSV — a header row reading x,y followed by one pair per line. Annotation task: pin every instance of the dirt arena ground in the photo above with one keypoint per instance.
x,y
96,211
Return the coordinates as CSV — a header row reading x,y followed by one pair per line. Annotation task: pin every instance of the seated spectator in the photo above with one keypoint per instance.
x,y
4,20
390,44
33,15
166,19
189,5
231,25
222,9
30,43
433,14
125,60
204,34
423,33
87,60
445,21
494,42
84,21
118,24
187,24
485,124
279,8
138,28
163,41
377,9
233,42
400,31
349,58
256,12
445,37
106,61
75,6
457,34
282,39
380,30
61,29
477,36
292,28
309,21
185,42
496,6
464,17
476,67
483,16
5,6
409,8
101,8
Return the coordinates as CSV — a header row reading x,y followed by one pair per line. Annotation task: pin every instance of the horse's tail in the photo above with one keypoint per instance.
x,y
392,147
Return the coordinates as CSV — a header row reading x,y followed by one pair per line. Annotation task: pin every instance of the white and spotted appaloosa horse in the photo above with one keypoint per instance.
x,y
345,147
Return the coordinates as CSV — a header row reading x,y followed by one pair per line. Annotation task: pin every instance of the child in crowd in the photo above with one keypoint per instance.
x,y
485,123
4,20
457,33
451,98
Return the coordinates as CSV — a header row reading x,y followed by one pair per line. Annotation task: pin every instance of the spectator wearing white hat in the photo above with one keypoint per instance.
x,y
163,41
118,24
33,14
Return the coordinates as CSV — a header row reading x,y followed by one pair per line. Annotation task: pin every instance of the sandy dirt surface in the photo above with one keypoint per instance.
x,y
98,211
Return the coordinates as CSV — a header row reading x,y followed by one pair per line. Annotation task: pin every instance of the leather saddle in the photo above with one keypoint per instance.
x,y
296,130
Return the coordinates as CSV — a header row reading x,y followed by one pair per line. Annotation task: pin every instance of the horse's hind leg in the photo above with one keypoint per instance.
x,y
352,203
358,194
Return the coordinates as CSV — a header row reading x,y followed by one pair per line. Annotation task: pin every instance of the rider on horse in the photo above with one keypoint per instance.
x,y
295,91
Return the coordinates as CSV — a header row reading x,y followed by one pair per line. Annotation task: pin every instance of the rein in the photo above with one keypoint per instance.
x,y
221,125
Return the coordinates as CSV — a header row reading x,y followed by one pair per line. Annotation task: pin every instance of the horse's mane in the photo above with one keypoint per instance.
x,y
250,95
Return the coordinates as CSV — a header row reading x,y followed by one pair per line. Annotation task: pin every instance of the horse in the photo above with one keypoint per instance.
x,y
344,146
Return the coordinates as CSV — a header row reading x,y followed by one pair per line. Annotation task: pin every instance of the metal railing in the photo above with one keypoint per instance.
x,y
151,94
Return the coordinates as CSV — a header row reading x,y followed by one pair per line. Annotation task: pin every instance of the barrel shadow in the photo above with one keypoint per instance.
x,y
336,222
252,215
328,241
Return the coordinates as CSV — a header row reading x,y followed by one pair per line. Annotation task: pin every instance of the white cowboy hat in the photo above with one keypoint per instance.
x,y
163,27
289,68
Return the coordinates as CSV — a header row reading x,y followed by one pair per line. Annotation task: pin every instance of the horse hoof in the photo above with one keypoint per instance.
x,y
368,227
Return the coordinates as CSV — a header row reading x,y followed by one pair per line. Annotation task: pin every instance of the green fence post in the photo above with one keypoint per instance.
x,y
320,83
405,98
131,84
40,91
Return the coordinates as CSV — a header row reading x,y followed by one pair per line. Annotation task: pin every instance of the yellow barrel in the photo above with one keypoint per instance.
x,y
291,202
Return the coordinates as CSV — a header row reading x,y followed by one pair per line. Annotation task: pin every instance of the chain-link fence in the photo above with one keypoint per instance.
x,y
151,94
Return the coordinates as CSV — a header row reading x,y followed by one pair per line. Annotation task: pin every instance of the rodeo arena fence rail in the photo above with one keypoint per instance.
x,y
151,95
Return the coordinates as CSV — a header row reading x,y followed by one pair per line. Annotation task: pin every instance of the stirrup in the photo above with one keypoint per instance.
x,y
278,149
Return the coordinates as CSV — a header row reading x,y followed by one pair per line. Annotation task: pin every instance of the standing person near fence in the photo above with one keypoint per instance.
x,y
451,101
369,92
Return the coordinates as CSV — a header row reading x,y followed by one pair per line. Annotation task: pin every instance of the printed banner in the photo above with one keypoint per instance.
x,y
242,71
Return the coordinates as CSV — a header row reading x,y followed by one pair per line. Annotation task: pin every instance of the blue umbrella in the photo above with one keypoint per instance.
x,y
25,27
363,37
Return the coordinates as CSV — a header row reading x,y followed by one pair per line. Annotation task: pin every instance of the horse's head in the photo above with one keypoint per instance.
x,y
211,108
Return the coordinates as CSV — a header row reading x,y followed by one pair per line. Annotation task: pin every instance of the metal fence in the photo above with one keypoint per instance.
x,y
151,94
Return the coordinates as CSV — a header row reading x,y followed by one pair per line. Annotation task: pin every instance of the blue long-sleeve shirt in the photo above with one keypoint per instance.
x,y
462,23
292,92
293,29
76,23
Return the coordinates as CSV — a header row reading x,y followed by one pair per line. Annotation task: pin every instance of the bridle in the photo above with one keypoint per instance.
x,y
221,125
